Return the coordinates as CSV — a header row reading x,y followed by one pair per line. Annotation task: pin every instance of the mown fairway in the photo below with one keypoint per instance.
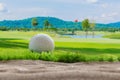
x,y
113,36
14,45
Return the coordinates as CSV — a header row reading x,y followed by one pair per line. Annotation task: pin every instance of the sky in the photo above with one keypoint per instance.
x,y
100,11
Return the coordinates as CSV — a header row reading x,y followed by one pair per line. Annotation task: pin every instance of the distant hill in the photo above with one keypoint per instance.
x,y
116,24
56,22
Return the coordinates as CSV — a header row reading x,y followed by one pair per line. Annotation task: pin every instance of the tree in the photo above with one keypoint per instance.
x,y
92,26
34,22
85,26
46,24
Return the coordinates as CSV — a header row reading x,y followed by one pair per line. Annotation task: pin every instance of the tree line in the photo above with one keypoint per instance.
x,y
86,25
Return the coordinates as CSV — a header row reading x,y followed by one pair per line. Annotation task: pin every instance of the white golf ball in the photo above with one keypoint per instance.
x,y
41,43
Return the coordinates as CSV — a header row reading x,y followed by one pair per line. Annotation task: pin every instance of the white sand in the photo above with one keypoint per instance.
x,y
43,70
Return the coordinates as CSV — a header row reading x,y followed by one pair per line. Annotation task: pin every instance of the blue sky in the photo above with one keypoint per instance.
x,y
100,11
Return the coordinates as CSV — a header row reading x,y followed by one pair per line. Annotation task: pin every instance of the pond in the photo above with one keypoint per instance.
x,y
83,36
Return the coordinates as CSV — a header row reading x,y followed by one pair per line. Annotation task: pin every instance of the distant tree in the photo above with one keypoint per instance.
x,y
3,28
92,26
46,25
85,26
65,26
34,22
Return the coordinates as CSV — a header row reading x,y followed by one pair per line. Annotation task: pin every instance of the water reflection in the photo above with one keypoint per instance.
x,y
84,36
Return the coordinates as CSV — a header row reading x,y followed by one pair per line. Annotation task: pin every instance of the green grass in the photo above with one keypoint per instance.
x,y
113,35
14,46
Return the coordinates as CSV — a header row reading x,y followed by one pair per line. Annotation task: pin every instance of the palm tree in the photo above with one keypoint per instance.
x,y
46,24
34,22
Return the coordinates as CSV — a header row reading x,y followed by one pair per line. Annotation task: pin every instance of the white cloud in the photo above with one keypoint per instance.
x,y
3,8
110,15
22,13
35,11
107,17
105,5
77,1
92,1
104,18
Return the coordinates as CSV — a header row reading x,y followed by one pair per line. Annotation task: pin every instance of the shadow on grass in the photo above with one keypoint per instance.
x,y
10,39
11,43
90,50
6,43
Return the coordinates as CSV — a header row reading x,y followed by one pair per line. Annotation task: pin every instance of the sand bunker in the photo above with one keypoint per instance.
x,y
43,70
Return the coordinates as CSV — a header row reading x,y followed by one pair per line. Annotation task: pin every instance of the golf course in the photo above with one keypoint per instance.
x,y
14,46
59,39
72,58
